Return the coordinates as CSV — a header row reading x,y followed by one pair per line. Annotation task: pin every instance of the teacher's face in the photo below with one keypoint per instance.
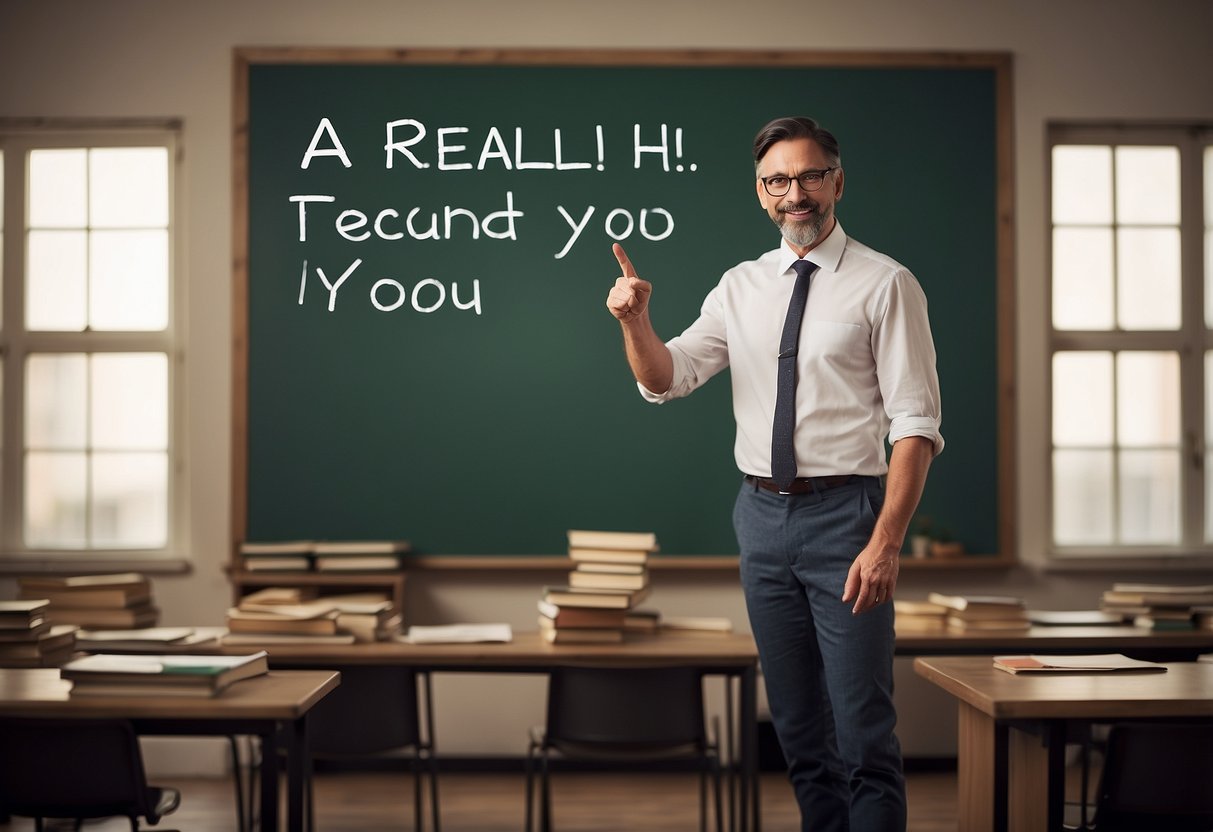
x,y
805,218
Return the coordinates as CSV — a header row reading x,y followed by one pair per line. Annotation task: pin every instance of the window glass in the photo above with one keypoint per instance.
x,y
1147,185
1147,399
1149,497
1082,399
128,187
1148,275
56,291
129,401
1082,278
55,486
56,402
57,183
1083,510
129,285
129,500
1082,185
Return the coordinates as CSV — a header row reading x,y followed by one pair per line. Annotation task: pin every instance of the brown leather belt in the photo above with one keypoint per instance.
x,y
801,485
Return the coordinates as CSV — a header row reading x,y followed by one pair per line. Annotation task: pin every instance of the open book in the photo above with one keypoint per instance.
x,y
1072,664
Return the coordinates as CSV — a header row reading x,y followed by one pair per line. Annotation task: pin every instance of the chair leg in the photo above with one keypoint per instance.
x,y
719,802
545,794
431,765
528,820
703,800
415,771
241,818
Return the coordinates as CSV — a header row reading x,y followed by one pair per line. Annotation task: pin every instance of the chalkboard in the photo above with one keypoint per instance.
x,y
423,255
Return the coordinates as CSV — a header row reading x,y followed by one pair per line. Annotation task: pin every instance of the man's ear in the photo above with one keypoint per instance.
x,y
839,184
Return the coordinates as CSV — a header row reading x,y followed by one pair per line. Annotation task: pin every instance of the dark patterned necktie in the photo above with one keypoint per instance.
x,y
783,448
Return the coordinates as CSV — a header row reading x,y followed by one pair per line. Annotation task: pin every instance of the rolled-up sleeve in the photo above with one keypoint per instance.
x,y
905,362
699,353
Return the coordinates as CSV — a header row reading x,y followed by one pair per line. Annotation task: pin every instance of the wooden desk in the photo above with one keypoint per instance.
x,y
1013,726
1137,642
732,656
264,705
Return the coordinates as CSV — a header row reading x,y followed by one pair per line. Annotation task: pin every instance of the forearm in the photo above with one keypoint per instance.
x,y
647,354
908,466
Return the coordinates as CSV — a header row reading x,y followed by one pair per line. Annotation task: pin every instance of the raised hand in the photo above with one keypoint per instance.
x,y
629,297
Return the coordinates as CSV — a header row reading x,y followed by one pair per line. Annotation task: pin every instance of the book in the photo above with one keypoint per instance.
x,y
56,583
1154,598
357,563
584,579
281,595
583,539
987,624
57,639
566,596
578,635
601,556
990,614
270,639
969,602
1164,623
30,633
361,547
100,617
148,640
157,675
319,608
368,627
251,622
277,547
696,622
458,634
909,606
1073,664
612,568
1069,618
641,621
23,614
111,598
277,563
574,617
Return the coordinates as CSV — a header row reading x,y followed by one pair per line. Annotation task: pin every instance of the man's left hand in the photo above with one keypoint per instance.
x,y
872,578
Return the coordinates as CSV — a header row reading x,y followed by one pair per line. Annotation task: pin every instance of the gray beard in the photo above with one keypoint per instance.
x,y
802,234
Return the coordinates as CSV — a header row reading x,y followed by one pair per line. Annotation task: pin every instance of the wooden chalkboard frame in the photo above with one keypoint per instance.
x,y
999,63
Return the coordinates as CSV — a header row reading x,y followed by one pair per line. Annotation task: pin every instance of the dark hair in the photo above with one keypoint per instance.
x,y
795,127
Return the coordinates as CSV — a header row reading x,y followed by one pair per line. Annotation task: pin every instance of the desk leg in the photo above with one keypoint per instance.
x,y
269,780
297,773
749,752
981,779
1037,778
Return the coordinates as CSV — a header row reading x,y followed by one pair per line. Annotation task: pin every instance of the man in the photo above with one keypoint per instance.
x,y
820,529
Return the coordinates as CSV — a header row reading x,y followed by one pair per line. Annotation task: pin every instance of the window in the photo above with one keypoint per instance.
x,y
88,345
1131,347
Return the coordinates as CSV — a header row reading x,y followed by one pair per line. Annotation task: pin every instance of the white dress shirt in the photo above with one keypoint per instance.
x,y
865,366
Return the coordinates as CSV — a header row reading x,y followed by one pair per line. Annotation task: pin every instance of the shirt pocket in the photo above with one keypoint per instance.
x,y
837,343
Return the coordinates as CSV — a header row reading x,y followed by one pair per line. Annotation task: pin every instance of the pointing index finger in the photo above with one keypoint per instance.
x,y
624,263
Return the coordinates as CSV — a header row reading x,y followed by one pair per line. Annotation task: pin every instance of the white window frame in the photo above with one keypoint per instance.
x,y
1191,341
17,138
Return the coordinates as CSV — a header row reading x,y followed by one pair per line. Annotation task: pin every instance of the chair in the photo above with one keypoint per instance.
x,y
626,715
77,768
1156,775
374,710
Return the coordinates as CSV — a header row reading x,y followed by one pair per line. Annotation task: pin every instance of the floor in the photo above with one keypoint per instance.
x,y
382,802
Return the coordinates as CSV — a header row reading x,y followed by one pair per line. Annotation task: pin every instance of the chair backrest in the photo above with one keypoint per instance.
x,y
1157,776
373,709
626,707
74,768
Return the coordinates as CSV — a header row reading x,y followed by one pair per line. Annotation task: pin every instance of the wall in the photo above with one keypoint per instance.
x,y
1083,59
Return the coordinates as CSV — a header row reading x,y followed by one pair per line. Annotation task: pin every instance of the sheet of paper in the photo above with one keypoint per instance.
x,y
458,634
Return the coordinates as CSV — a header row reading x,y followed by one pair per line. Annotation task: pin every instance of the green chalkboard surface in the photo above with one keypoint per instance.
x,y
423,348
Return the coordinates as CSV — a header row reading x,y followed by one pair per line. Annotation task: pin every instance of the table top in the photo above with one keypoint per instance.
x,y
1184,690
1094,639
529,652
279,694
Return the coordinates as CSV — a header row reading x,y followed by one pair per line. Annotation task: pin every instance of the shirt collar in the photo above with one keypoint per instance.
x,y
826,255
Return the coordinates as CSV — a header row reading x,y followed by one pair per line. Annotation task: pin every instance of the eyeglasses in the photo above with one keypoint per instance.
x,y
810,180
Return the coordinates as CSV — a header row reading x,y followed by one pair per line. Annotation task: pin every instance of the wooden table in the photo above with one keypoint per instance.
x,y
732,656
268,706
1013,726
1137,642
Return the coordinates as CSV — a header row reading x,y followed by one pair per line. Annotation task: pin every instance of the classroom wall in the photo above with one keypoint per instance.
x,y
1078,60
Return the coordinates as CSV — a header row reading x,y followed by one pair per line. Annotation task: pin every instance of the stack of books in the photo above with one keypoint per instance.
x,y
277,556
295,615
28,639
98,601
609,579
911,616
148,639
103,674
360,555
311,622
982,612
1158,606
